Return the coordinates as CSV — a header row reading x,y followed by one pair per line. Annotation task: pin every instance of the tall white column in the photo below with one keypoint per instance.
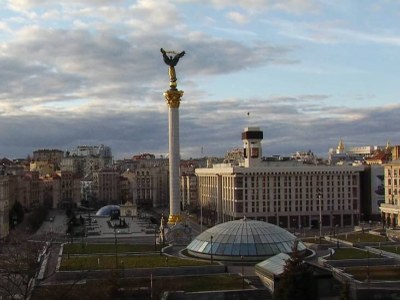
x,y
173,98
174,162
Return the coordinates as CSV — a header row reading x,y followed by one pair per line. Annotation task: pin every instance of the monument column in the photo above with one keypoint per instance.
x,y
173,99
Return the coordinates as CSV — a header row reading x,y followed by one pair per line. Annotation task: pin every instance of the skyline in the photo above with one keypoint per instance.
x,y
90,72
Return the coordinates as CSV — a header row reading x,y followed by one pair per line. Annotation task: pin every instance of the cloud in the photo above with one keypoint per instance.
x,y
237,17
153,15
214,126
330,32
287,126
21,5
90,72
291,6
48,65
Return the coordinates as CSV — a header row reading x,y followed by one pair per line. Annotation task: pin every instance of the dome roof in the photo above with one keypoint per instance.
x,y
254,240
108,210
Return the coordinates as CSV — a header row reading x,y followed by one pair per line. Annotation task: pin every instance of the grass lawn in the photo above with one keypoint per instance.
x,y
393,249
352,253
359,237
375,273
107,248
105,262
107,289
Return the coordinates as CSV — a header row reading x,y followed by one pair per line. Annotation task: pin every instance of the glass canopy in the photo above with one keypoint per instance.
x,y
108,211
244,238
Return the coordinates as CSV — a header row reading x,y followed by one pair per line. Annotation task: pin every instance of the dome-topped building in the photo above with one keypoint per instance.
x,y
253,240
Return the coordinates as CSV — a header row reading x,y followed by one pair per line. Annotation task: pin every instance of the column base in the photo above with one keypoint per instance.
x,y
174,219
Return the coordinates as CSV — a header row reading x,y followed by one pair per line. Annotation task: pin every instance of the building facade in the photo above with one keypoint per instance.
x,y
291,196
150,186
390,210
66,190
105,187
53,156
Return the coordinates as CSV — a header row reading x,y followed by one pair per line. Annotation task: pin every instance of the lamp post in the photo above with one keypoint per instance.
x,y
241,258
337,237
201,217
82,235
155,237
115,244
211,238
320,214
368,274
294,225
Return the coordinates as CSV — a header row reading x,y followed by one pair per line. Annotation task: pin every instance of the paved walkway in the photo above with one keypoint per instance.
x,y
99,227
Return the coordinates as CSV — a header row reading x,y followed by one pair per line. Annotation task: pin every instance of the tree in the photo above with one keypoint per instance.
x,y
16,214
345,292
36,217
296,281
18,266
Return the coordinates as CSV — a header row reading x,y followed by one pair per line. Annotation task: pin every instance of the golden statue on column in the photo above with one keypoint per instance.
x,y
172,61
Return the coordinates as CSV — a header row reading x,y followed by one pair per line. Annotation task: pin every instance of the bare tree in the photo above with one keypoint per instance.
x,y
19,265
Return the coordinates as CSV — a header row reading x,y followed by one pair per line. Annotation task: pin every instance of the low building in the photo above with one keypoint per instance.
x,y
128,209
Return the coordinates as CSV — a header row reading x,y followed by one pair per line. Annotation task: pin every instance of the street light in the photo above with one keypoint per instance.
x,y
320,214
115,244
201,217
294,225
337,235
368,274
155,237
211,238
241,257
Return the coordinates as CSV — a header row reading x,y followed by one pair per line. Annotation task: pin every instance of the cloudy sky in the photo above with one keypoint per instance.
x,y
90,72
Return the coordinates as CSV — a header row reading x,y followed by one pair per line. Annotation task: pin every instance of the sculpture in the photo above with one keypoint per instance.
x,y
172,62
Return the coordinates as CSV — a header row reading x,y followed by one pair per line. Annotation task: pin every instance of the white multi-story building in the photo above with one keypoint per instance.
x,y
84,160
105,187
150,186
390,210
292,196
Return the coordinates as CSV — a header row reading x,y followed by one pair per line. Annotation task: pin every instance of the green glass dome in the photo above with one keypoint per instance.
x,y
243,239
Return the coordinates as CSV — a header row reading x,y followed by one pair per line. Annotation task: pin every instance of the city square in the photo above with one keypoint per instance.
x,y
199,150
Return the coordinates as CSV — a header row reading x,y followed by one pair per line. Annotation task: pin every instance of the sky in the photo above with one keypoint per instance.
x,y
90,72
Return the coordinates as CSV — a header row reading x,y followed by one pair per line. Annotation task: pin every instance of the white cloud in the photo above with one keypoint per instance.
x,y
153,16
291,6
91,72
237,17
328,32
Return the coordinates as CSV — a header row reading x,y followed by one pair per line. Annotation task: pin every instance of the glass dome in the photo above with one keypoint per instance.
x,y
254,240
108,211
